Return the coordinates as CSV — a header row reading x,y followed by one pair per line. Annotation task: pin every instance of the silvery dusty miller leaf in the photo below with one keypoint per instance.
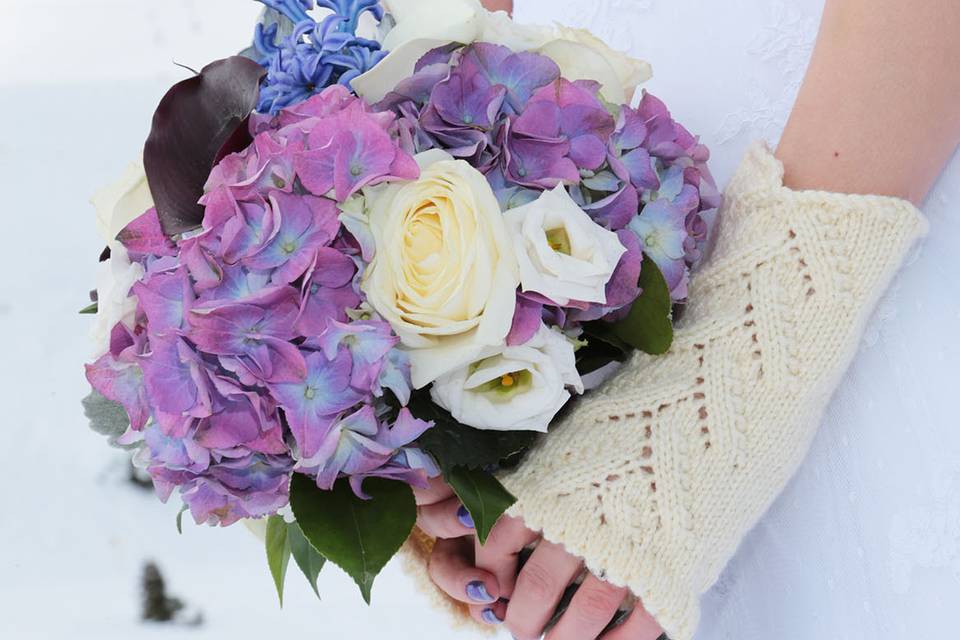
x,y
107,418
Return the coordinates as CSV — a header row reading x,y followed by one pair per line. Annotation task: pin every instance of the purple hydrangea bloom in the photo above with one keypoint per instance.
x,y
307,224
368,344
313,402
118,377
572,111
257,335
349,151
520,74
661,228
536,162
361,446
247,349
328,291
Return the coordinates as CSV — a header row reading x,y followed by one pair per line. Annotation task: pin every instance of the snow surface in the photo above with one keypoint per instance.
x,y
78,83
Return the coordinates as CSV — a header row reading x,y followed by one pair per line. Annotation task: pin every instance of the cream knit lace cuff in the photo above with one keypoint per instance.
x,y
655,478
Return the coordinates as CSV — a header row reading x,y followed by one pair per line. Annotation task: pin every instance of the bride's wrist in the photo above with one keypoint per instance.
x,y
499,5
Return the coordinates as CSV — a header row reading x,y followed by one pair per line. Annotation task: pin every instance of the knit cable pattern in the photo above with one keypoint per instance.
x,y
655,478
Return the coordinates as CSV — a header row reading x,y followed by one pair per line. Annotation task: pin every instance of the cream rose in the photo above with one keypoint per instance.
x,y
117,205
115,278
444,274
122,202
426,24
562,253
513,388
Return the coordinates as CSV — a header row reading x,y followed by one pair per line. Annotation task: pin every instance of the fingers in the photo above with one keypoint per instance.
x,y
447,519
438,491
593,607
539,588
499,555
491,614
451,569
639,626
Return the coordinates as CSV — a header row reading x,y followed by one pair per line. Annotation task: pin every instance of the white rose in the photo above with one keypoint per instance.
x,y
444,274
562,253
583,56
115,278
513,388
122,202
423,25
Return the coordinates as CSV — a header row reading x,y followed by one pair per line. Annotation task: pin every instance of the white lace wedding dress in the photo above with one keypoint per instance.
x,y
865,542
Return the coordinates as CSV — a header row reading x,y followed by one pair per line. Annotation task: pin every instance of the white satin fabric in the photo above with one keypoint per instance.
x,y
865,542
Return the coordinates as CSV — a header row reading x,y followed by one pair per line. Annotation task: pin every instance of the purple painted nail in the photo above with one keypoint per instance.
x,y
477,591
465,518
490,617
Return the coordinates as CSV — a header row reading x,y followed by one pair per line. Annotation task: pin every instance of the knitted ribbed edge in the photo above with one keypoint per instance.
x,y
672,545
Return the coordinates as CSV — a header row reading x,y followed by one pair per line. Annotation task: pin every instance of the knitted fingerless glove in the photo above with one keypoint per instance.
x,y
655,478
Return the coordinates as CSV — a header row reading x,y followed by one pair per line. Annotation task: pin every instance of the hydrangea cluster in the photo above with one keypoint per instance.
x,y
252,355
636,172
315,54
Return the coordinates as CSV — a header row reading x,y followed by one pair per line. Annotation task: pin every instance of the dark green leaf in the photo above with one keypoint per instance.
x,y
603,347
278,552
307,558
359,536
483,496
456,445
91,309
648,327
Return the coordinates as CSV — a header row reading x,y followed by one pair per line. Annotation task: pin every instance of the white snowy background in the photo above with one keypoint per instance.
x,y
79,80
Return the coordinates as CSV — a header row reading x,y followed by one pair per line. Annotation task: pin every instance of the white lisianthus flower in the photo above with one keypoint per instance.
x,y
423,25
444,274
563,254
514,388
122,202
115,278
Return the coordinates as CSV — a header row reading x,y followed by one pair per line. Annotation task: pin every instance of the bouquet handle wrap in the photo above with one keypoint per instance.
x,y
655,478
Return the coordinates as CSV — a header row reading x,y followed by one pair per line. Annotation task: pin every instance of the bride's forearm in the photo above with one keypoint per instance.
x,y
879,111
499,5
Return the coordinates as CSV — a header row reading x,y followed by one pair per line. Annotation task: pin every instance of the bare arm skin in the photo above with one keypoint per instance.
x,y
879,111
499,5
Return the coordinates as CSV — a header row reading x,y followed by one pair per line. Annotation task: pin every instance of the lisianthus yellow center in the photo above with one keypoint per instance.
x,y
509,384
558,240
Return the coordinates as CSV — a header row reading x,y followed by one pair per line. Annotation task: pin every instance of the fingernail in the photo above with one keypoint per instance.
x,y
465,518
477,591
490,617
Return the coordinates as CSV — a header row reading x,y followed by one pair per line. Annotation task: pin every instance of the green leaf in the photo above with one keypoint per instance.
x,y
180,513
90,310
649,327
307,558
359,536
483,496
456,445
278,552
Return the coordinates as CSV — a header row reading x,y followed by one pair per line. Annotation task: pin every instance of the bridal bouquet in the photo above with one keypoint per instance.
x,y
378,248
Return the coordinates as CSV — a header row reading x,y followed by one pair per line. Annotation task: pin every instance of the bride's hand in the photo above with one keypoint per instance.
x,y
525,602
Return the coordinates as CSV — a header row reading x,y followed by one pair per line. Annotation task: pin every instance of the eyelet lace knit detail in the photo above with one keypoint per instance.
x,y
655,478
